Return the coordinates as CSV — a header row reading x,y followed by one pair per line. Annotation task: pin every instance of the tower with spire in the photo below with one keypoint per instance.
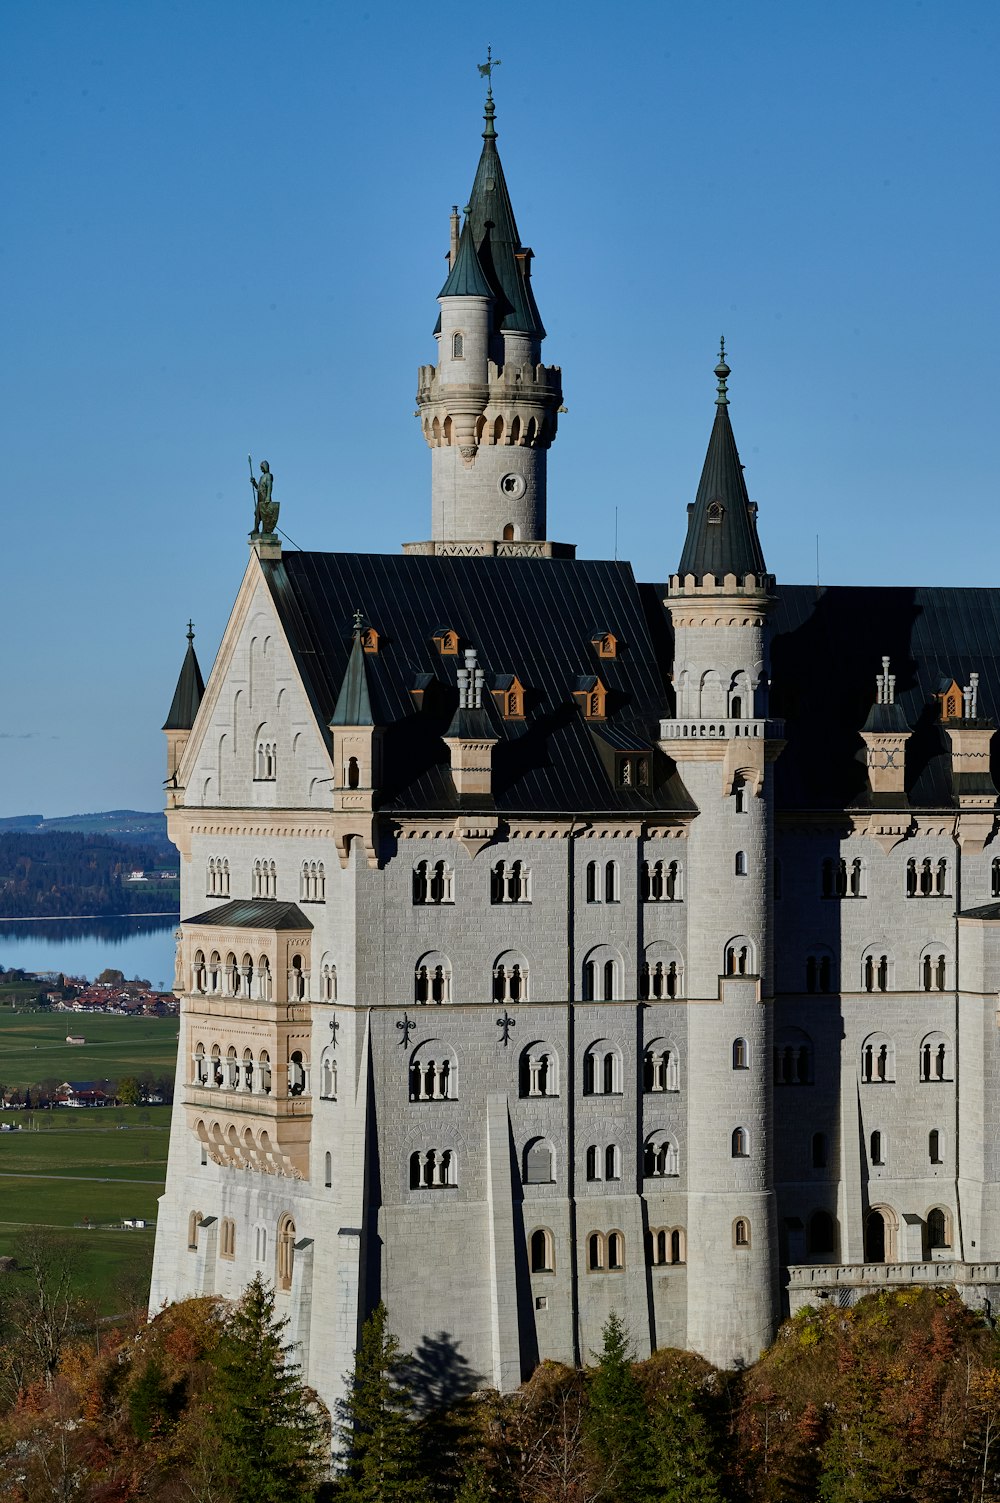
x,y
489,408
724,745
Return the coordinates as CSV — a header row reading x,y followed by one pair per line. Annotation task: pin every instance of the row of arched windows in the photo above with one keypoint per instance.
x,y
251,979
284,1242
927,878
265,879
233,1071
661,974
433,1169
934,1058
882,1225
312,882
217,878
878,1146
661,882
606,1250
842,879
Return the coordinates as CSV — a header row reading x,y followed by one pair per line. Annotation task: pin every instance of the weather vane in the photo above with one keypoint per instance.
x,y
486,70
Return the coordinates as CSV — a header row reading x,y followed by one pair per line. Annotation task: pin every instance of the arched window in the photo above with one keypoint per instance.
x,y
227,1237
938,1228
661,975
508,532
934,968
353,773
539,1162
595,1252
877,970
934,1146
660,1157
510,882
739,957
433,1072
297,1078
876,1148
328,1168
285,1260
612,1162
665,1245
265,1072
740,1143
432,978
328,982
593,882
741,1232
538,1070
793,1057
433,1169
741,1054
612,891
661,881
661,1066
821,1235
458,345
935,1057
878,1059
194,1222
328,1075
740,791
602,975
741,863
510,978
433,883
616,1251
819,971
880,1235
820,1152
602,1069
266,762
595,1163
542,1251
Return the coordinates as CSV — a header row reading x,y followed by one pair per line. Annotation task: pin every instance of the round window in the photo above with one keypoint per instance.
x,y
512,485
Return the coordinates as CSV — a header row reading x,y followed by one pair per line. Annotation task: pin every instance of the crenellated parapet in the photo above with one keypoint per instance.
x,y
517,407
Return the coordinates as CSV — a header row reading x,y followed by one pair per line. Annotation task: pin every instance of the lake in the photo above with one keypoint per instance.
x,y
84,947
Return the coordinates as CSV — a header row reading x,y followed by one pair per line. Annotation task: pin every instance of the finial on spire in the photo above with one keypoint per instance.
x,y
359,622
190,631
486,71
722,371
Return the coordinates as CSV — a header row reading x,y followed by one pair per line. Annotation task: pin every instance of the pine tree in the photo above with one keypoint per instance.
x,y
378,1428
617,1423
683,1451
270,1443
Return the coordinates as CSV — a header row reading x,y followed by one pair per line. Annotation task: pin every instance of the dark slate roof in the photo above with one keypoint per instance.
x,y
886,719
354,706
826,652
532,617
466,278
254,913
496,239
188,694
988,911
729,546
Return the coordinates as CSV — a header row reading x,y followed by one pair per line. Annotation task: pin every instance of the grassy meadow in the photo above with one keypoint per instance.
x,y
68,1167
33,1046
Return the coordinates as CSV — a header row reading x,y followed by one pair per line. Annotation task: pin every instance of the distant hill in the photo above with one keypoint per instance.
x,y
64,869
123,824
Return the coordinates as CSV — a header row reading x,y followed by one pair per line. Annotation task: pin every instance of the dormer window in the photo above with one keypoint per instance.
x,y
591,695
446,641
458,345
633,772
949,697
369,639
716,511
508,696
606,643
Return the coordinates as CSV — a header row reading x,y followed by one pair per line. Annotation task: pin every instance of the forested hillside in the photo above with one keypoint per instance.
x,y
61,874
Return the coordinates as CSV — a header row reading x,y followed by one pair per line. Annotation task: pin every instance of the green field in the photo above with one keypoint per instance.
x,y
33,1047
69,1167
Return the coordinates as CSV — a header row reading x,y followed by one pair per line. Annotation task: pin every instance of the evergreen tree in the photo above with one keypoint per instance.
x,y
617,1423
682,1458
378,1428
269,1440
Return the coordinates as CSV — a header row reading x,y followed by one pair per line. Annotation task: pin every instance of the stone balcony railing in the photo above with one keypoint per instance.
x,y
718,729
847,1282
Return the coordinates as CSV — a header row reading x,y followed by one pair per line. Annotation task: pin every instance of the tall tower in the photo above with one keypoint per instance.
x,y
724,746
489,408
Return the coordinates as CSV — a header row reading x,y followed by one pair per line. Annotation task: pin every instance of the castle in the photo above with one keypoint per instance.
x,y
554,943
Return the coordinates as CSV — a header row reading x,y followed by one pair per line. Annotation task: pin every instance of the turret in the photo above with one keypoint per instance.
x,y
724,745
489,408
181,717
357,751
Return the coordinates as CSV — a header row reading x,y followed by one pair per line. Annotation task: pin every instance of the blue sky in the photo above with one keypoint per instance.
x,y
224,232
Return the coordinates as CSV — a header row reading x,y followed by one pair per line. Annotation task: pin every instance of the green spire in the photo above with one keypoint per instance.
x,y
354,706
189,691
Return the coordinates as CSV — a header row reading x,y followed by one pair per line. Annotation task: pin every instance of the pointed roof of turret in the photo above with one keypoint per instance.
x,y
722,523
354,706
504,260
189,691
466,278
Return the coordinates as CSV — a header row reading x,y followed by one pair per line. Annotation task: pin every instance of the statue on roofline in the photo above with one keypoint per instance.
x,y
265,516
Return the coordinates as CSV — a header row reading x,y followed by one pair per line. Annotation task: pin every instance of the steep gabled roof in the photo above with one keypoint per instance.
x,y
535,615
189,691
497,242
722,524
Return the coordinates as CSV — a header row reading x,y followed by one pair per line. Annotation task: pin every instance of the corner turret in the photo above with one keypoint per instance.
x,y
357,751
181,716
